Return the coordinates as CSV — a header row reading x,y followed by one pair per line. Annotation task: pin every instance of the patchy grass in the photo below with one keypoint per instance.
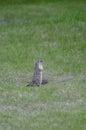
x,y
54,32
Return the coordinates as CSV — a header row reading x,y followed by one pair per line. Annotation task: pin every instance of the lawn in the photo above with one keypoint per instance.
x,y
56,33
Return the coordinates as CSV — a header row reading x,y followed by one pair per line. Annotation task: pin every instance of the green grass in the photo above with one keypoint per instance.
x,y
56,33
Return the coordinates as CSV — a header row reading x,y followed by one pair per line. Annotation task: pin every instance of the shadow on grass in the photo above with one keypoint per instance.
x,y
33,84
58,79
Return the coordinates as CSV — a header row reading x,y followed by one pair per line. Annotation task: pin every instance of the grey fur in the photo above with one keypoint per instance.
x,y
38,78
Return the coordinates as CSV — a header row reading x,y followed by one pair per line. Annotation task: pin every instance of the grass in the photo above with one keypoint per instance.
x,y
56,33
